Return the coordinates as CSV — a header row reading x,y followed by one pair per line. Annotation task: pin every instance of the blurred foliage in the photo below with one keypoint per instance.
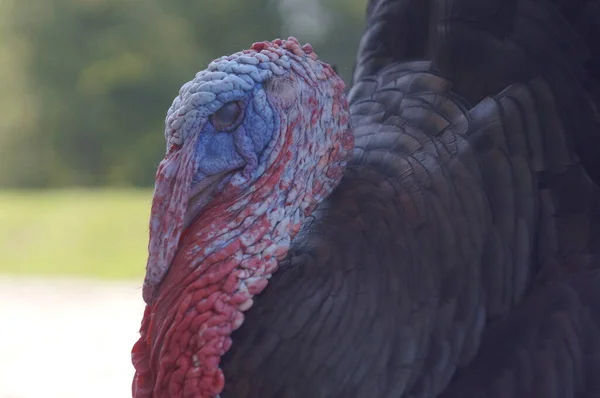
x,y
86,83
91,233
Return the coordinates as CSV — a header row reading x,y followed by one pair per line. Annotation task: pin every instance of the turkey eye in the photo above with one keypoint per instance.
x,y
228,116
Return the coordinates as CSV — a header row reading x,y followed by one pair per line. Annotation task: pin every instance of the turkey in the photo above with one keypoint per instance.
x,y
434,233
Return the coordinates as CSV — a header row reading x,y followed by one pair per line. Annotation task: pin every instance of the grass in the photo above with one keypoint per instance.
x,y
86,233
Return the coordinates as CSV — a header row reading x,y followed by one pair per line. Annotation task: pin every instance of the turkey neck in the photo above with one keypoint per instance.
x,y
224,259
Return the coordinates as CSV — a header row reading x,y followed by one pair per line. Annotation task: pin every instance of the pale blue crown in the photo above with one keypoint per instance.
x,y
225,79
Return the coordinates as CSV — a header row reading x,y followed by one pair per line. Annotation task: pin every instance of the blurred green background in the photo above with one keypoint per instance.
x,y
85,85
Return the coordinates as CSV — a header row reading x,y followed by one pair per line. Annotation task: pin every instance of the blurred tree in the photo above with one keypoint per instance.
x,y
88,82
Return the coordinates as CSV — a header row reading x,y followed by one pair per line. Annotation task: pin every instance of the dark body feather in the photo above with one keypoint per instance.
x,y
459,254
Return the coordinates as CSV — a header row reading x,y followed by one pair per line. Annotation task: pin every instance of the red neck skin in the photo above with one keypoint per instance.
x,y
223,260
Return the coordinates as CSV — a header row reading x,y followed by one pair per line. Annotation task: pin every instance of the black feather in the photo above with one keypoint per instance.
x,y
459,254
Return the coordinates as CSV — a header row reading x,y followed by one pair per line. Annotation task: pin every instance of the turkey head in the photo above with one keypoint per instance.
x,y
254,143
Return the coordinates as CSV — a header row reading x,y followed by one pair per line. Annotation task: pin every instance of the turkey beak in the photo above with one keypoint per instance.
x,y
169,207
200,194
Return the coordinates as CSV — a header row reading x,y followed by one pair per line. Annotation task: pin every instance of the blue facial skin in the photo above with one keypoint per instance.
x,y
224,151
